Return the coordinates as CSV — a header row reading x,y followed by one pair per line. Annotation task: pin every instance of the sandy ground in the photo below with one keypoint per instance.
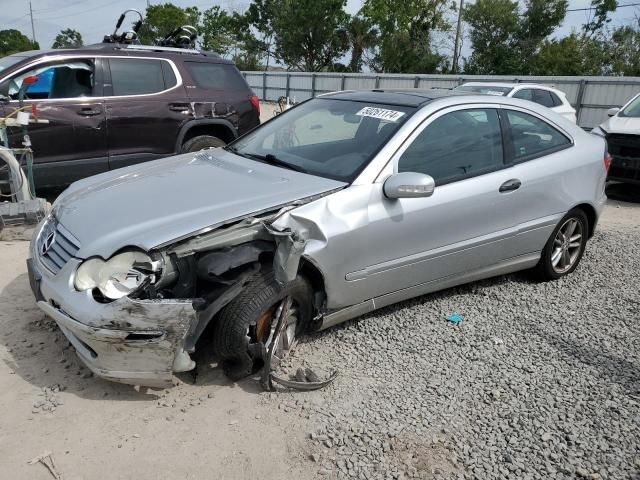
x,y
210,429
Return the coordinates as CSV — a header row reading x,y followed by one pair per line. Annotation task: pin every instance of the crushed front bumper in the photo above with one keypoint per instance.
x,y
138,342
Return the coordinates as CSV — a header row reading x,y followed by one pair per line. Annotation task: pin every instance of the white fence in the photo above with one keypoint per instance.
x,y
590,96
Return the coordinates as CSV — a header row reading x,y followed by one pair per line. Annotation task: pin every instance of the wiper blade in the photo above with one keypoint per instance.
x,y
272,160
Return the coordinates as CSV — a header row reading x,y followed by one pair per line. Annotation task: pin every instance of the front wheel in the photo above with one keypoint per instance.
x,y
202,142
248,318
565,247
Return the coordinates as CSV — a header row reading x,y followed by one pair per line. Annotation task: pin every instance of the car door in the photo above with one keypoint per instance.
x,y
146,105
541,159
70,140
464,226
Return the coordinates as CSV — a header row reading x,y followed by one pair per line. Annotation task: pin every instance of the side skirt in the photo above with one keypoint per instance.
x,y
515,264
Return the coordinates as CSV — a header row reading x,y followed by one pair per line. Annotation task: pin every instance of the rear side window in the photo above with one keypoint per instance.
x,y
216,76
457,145
555,99
140,76
533,137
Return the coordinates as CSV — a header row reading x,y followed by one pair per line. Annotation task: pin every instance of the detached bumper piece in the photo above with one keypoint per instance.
x,y
625,150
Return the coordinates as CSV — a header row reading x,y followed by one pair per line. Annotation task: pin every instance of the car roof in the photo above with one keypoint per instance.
x,y
115,49
506,85
405,97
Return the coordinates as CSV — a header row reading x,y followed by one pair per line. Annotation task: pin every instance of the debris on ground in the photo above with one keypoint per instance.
x,y
48,399
455,317
46,459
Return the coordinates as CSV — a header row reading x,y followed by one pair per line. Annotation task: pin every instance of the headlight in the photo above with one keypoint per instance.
x,y
598,131
119,276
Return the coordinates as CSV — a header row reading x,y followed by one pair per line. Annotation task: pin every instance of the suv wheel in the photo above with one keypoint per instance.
x,y
202,142
565,247
246,321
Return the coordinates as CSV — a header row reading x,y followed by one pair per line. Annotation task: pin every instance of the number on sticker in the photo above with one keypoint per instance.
x,y
381,113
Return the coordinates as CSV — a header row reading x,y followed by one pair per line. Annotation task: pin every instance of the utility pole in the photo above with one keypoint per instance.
x,y
456,46
33,28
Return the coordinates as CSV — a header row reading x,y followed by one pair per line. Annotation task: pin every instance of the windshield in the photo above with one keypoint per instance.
x,y
631,110
325,137
6,62
484,89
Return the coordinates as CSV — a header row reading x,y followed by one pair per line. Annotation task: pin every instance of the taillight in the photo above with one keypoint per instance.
x,y
607,161
255,101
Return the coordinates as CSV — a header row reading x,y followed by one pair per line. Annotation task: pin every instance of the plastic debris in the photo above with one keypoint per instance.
x,y
455,317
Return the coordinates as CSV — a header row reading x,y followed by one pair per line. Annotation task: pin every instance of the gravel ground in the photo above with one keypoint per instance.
x,y
539,381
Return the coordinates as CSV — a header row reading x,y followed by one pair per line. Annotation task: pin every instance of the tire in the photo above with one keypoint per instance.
x,y
235,329
552,267
201,142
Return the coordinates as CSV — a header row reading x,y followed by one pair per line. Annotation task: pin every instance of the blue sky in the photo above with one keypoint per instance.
x,y
94,18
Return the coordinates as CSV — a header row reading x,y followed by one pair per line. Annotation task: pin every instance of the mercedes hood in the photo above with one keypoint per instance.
x,y
154,203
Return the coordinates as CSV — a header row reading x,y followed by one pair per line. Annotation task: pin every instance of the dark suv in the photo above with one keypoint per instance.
x,y
109,106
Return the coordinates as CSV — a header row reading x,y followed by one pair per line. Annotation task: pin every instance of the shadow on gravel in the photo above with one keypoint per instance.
x,y
610,367
623,192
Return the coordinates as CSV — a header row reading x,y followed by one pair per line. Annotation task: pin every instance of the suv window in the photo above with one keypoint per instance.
x,y
555,99
72,79
456,145
135,76
533,137
537,95
216,76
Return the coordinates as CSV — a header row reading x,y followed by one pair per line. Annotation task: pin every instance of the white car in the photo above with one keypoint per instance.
x,y
622,133
549,97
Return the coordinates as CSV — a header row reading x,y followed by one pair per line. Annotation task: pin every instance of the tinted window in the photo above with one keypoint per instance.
x,y
455,146
325,137
216,76
542,97
70,79
136,76
555,99
524,94
532,136
631,110
484,89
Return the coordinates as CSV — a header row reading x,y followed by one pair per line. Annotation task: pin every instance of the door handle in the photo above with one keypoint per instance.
x,y
88,111
510,185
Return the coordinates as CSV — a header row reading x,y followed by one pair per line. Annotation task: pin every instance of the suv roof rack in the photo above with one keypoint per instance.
x,y
154,48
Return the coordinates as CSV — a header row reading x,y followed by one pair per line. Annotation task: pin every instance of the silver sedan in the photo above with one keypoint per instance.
x,y
342,205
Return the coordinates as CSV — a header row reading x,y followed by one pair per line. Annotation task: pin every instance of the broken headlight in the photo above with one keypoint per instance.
x,y
117,277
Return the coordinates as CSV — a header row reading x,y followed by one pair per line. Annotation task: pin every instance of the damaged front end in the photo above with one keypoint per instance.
x,y
137,317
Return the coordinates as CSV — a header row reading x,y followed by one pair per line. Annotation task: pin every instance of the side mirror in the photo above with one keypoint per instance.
x,y
409,185
612,111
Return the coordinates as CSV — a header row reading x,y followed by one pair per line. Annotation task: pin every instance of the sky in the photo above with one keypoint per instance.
x,y
95,18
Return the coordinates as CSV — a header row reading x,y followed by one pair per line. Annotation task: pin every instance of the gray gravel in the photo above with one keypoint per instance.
x,y
539,381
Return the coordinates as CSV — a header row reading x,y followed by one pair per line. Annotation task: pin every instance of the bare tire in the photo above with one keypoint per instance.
x,y
246,321
565,247
202,142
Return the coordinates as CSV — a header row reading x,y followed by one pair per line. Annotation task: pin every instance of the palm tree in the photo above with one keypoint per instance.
x,y
362,36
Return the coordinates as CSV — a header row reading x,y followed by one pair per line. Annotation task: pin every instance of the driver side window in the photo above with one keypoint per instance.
x,y
71,79
455,146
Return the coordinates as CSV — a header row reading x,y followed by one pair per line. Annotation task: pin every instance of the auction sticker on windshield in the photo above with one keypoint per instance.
x,y
381,113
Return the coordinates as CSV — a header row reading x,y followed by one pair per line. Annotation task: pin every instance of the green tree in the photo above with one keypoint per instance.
x,y
574,54
602,9
162,19
362,37
310,35
406,28
218,31
493,31
624,50
12,41
259,19
68,38
540,19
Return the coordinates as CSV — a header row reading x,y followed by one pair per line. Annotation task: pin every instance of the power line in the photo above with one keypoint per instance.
x,y
593,8
83,11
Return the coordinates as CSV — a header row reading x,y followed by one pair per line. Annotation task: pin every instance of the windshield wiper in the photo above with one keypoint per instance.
x,y
270,159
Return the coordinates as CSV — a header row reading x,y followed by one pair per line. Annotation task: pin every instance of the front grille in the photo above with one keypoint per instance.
x,y
56,246
625,150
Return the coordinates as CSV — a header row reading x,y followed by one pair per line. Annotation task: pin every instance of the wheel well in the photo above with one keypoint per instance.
x,y
223,133
311,273
590,212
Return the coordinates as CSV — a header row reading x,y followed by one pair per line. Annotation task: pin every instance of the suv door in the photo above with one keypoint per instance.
x,y
464,226
145,105
73,144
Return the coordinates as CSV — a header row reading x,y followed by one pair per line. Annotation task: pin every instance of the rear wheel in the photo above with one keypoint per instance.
x,y
202,142
247,321
565,247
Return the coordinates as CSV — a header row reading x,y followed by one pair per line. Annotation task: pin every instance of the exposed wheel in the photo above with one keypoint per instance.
x,y
247,320
565,247
202,142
